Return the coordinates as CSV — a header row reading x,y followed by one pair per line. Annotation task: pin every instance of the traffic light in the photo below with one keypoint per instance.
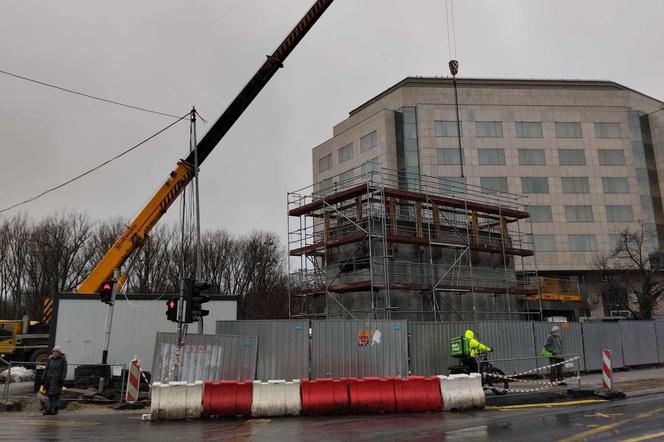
x,y
106,292
195,300
172,310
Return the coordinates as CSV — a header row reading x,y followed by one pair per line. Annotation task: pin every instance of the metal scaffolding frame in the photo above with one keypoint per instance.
x,y
387,245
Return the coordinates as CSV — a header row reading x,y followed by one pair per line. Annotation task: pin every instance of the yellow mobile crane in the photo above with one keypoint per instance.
x,y
137,232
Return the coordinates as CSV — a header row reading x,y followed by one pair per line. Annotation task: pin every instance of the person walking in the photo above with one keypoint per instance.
x,y
54,378
554,347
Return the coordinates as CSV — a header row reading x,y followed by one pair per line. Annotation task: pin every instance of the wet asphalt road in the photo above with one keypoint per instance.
x,y
619,420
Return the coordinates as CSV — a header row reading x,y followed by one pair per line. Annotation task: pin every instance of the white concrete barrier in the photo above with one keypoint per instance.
x,y
458,392
176,400
194,400
276,398
477,391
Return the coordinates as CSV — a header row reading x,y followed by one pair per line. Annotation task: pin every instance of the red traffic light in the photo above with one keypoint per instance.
x,y
171,304
106,286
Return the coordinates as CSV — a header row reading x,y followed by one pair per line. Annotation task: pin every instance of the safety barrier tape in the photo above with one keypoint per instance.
x,y
534,370
514,390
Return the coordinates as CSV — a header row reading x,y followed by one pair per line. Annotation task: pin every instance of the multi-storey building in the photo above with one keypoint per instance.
x,y
588,154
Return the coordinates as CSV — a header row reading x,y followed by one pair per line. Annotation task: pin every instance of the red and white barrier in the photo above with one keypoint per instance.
x,y
179,400
607,373
133,381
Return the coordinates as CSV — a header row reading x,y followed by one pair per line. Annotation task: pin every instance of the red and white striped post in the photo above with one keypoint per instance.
x,y
133,381
607,373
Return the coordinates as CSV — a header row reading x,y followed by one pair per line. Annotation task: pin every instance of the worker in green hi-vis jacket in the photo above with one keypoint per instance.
x,y
475,347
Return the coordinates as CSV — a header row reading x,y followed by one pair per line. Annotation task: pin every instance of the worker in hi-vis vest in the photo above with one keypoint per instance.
x,y
475,347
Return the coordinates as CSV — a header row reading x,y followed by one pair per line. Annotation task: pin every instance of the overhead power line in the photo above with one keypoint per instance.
x,y
82,94
121,154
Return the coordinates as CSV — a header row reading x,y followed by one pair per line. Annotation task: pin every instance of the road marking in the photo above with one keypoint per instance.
x,y
607,427
547,405
598,414
52,423
644,437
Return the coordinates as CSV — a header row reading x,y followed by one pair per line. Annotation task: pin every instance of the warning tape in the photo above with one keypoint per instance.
x,y
549,385
546,384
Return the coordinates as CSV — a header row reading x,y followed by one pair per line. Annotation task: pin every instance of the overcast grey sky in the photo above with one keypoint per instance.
x,y
170,55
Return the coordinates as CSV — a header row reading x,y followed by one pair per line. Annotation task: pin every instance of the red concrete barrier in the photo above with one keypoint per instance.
x,y
227,398
418,393
372,395
325,396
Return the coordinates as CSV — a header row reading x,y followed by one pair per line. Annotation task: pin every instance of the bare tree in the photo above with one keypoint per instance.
x,y
628,278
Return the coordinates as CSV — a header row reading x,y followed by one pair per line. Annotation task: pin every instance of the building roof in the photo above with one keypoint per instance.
x,y
501,82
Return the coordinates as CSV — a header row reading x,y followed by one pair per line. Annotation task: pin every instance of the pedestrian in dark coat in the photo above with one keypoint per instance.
x,y
555,346
54,378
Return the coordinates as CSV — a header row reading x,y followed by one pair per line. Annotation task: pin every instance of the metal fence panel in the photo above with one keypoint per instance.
x,y
283,346
570,334
638,342
510,340
354,348
206,357
659,331
598,336
429,346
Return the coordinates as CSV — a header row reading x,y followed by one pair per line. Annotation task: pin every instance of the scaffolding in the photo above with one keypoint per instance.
x,y
381,244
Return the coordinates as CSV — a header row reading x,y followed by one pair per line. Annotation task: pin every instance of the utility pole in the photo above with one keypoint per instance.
x,y
197,263
454,68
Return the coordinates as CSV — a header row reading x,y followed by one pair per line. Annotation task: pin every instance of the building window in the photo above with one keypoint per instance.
x,y
619,214
540,214
615,240
346,176
531,184
532,157
452,184
370,166
579,214
493,184
448,156
607,130
328,186
575,184
571,157
325,163
368,141
528,129
447,129
582,243
544,243
611,157
568,130
489,129
615,185
491,156
346,153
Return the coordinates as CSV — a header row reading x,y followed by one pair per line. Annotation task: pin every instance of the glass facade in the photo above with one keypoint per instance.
x,y
647,177
408,156
325,163
607,130
579,214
